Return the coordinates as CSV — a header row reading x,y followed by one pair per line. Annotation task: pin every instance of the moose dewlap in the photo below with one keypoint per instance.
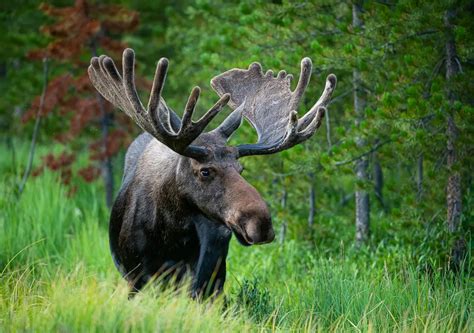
x,y
182,194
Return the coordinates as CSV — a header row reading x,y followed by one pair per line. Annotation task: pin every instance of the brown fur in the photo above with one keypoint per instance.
x,y
169,218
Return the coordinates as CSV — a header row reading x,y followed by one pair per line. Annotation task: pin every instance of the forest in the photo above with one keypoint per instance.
x,y
373,215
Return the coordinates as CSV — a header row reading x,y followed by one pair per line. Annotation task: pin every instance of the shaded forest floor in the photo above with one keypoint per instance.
x,y
57,275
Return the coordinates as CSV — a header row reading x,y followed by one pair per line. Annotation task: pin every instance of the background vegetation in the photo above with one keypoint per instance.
x,y
373,214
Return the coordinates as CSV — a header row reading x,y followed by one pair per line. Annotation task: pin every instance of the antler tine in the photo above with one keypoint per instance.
x,y
171,120
158,83
113,76
209,115
303,81
111,90
322,101
128,65
290,139
189,108
231,123
291,132
309,130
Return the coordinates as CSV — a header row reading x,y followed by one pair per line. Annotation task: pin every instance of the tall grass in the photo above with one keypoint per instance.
x,y
56,274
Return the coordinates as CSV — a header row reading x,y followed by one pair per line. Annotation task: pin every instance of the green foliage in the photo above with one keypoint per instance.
x,y
254,298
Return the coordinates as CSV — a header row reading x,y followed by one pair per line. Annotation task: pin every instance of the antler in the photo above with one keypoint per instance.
x,y
158,119
270,106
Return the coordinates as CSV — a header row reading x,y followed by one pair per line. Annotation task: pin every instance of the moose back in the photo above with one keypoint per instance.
x,y
182,195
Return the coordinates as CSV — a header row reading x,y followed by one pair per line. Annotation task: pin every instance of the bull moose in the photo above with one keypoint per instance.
x,y
182,194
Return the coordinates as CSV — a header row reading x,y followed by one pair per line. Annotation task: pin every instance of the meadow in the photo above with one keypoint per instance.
x,y
57,275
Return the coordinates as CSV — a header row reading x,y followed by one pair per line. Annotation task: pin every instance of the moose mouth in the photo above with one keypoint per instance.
x,y
240,235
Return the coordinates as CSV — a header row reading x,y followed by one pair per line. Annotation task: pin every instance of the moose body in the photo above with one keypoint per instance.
x,y
157,227
182,194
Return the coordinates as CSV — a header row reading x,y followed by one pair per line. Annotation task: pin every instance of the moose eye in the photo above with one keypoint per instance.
x,y
205,172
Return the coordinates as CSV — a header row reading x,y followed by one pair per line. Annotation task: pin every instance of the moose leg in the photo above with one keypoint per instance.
x,y
210,270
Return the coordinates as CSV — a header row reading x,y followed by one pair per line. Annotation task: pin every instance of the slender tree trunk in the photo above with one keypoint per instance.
x,y
106,163
362,204
34,138
378,180
453,191
328,129
274,188
107,169
312,200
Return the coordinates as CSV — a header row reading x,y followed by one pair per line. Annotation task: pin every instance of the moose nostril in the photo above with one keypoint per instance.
x,y
252,231
259,230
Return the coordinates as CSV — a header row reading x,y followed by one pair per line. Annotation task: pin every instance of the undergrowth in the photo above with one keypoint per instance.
x,y
57,275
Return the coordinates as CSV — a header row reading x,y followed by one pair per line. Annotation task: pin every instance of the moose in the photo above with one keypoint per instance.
x,y
182,195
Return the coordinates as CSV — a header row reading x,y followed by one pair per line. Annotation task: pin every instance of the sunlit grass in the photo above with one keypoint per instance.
x,y
57,275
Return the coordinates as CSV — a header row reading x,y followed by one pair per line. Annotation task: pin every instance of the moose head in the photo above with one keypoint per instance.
x,y
210,175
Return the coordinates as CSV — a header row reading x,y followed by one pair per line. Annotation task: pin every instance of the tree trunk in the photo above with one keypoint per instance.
x,y
361,196
107,170
36,129
453,190
378,180
328,129
106,163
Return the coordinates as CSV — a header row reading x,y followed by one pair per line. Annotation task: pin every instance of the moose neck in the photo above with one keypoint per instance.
x,y
157,177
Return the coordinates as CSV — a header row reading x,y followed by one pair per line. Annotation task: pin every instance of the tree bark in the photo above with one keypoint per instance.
x,y
453,188
361,196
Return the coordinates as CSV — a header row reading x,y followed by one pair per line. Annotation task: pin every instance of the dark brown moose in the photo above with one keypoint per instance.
x,y
182,193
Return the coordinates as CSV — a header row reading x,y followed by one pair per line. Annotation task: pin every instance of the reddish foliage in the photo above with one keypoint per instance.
x,y
72,191
89,173
83,84
79,29
81,25
63,161
115,140
112,45
55,92
85,110
37,171
66,175
116,18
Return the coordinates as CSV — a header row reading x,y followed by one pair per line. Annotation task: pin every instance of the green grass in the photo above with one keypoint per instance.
x,y
57,275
